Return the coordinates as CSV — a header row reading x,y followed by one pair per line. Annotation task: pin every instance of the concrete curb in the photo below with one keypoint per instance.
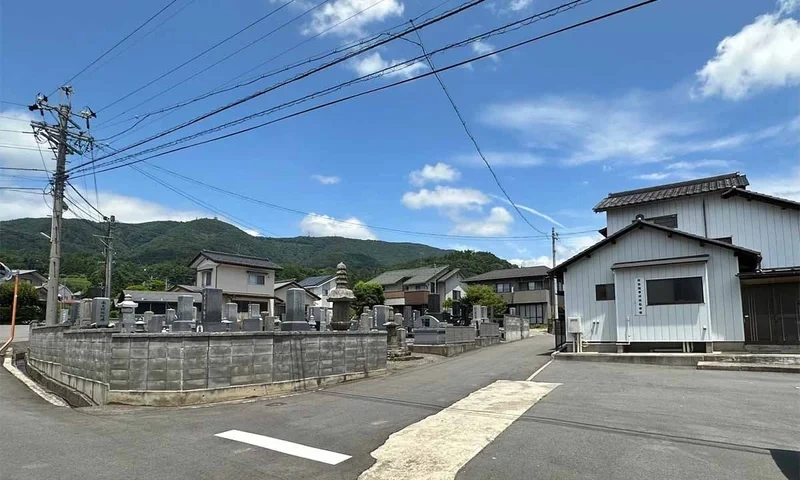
x,y
8,364
748,367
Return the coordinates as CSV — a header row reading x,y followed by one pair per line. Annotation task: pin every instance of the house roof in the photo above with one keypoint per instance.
x,y
449,274
672,190
187,288
537,271
157,297
410,276
311,282
236,259
29,272
294,284
761,197
752,254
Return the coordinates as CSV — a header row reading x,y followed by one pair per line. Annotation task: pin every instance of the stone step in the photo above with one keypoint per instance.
x,y
761,358
748,367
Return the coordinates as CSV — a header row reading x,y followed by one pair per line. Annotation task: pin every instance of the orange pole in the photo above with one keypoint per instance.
x,y
13,315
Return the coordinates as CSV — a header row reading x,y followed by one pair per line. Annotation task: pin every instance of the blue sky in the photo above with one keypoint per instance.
x,y
670,91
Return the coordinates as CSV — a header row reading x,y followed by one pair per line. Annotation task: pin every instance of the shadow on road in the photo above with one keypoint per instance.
x,y
788,461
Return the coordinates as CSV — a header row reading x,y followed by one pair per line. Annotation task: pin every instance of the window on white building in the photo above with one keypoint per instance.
x,y
670,221
456,294
256,279
604,291
675,291
206,278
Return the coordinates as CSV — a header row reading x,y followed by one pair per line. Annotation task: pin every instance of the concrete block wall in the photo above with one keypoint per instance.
x,y
147,368
489,329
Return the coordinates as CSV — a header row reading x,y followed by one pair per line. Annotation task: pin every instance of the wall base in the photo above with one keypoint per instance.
x,y
165,398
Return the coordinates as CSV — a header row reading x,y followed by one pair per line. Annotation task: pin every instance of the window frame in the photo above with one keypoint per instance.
x,y
506,288
649,289
205,278
456,295
605,289
257,275
656,220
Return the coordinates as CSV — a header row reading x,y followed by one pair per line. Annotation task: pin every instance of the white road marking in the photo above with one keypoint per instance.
x,y
289,448
539,371
49,397
453,436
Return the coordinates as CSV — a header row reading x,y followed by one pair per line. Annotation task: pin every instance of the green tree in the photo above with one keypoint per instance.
x,y
78,283
484,295
368,294
27,303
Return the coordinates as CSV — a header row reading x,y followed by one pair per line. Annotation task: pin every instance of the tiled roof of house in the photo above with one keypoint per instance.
x,y
410,276
314,281
157,297
762,197
241,260
672,190
537,271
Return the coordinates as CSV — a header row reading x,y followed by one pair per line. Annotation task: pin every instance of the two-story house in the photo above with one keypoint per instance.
x,y
320,286
243,279
704,264
525,289
412,287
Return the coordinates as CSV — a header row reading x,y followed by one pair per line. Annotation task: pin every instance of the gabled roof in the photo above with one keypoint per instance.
x,y
236,259
312,282
294,284
186,288
410,276
157,297
33,273
672,190
537,271
745,252
761,197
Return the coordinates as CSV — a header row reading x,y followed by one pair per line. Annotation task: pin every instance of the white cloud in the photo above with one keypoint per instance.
x,y
12,125
501,159
338,11
446,198
764,54
531,210
482,48
532,262
566,247
686,170
439,173
463,248
324,226
498,222
374,62
517,5
326,180
784,186
636,128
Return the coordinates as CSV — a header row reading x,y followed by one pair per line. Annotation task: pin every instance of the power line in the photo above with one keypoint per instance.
x,y
469,133
87,201
236,52
117,44
219,89
298,77
370,91
230,37
344,222
22,169
18,147
385,71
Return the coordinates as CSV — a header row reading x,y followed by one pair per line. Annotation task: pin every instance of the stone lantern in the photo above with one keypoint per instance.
x,y
127,307
341,297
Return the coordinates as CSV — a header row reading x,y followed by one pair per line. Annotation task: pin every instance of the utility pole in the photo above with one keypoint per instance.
x,y
64,142
109,253
554,283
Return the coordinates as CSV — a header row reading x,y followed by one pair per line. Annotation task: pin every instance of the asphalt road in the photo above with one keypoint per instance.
x,y
38,440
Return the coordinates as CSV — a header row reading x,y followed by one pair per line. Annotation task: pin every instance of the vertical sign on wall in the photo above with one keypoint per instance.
x,y
639,296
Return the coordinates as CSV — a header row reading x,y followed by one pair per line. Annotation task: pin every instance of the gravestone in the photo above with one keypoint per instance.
x,y
434,303
231,312
295,319
128,318
212,307
101,311
383,315
170,316
86,312
317,316
152,324
485,313
408,316
415,318
194,312
75,314
183,321
365,322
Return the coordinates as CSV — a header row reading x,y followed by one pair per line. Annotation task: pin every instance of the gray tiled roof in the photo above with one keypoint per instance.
x,y
410,276
241,260
672,190
314,281
538,271
157,297
762,197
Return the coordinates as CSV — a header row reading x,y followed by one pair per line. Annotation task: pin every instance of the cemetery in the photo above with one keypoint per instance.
x,y
191,356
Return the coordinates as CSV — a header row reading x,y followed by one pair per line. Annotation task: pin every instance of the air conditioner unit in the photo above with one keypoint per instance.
x,y
574,325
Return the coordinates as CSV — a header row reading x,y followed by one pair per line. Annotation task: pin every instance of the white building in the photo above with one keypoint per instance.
x,y
243,279
320,286
704,264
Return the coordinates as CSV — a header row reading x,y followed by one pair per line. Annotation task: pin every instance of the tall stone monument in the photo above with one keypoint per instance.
x,y
383,315
183,321
341,297
127,308
101,311
212,310
295,319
